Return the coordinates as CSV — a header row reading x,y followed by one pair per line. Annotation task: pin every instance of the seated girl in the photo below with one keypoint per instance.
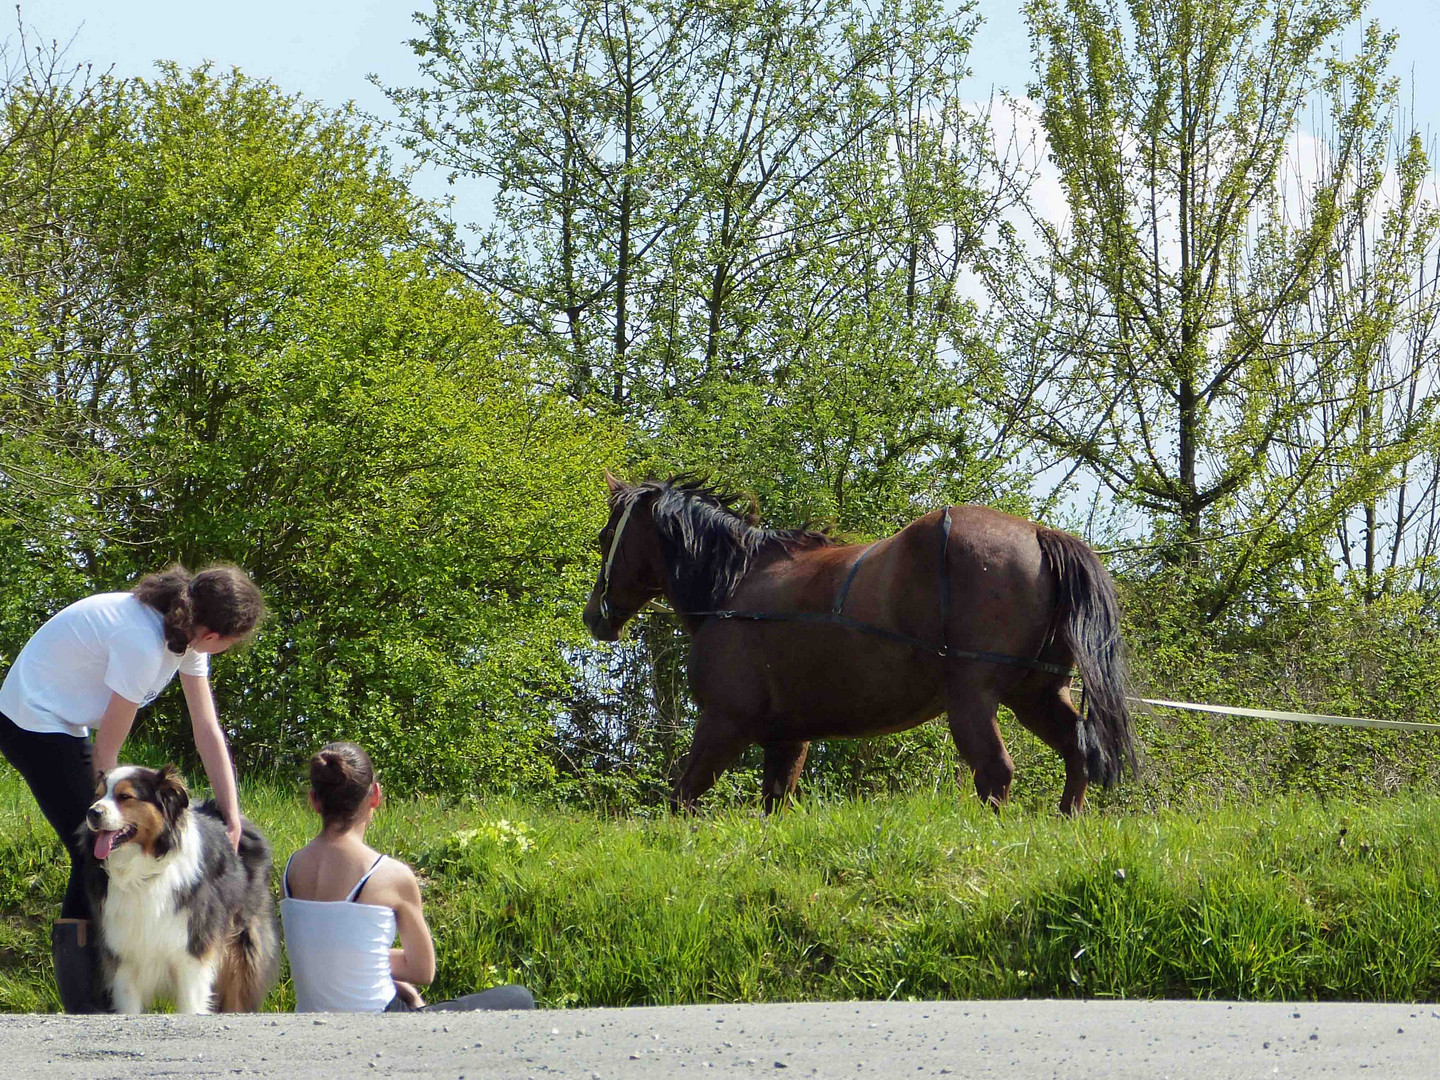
x,y
344,902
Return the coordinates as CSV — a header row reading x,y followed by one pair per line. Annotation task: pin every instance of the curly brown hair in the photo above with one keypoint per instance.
x,y
221,598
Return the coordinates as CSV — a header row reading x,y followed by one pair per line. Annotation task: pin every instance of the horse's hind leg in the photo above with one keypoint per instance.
x,y
717,743
971,714
783,762
1050,715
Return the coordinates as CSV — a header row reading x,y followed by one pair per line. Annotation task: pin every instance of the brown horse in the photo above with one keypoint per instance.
x,y
795,637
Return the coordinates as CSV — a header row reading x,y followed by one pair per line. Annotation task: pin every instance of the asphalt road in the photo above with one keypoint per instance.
x,y
1013,1040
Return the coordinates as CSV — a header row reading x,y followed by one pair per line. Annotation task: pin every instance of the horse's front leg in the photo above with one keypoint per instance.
x,y
717,743
783,762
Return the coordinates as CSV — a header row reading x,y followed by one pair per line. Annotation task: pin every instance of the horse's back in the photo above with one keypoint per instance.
x,y
1001,595
996,557
839,680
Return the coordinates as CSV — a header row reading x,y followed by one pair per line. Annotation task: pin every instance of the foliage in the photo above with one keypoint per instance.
x,y
54,456
288,381
737,237
738,226
1346,656
1208,330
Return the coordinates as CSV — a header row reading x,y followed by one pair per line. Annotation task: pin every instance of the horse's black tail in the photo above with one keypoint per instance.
x,y
1088,618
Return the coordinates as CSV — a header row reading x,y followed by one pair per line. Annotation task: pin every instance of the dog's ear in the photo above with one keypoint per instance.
x,y
171,791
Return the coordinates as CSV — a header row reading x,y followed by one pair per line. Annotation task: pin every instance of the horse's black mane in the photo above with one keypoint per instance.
x,y
708,546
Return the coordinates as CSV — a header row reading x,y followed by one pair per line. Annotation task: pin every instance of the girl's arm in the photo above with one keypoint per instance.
x,y
214,752
414,961
114,725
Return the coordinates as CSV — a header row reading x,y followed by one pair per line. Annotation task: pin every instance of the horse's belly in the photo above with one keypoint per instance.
x,y
804,725
822,692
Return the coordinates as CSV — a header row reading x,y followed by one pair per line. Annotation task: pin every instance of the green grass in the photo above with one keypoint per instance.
x,y
922,895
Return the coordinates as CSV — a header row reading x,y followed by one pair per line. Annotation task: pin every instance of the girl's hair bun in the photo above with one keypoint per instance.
x,y
341,776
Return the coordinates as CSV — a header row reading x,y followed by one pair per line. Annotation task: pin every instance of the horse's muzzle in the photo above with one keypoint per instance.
x,y
601,627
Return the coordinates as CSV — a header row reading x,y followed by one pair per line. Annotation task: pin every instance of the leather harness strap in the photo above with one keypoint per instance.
x,y
839,605
945,582
889,635
610,561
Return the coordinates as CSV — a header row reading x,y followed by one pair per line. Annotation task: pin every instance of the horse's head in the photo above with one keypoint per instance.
x,y
630,562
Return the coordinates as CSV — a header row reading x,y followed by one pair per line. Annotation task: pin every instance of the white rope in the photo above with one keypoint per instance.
x,y
1292,717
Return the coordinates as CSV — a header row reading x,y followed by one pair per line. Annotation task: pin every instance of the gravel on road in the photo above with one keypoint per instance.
x,y
1006,1040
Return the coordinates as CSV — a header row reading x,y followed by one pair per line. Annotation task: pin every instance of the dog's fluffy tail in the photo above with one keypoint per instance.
x,y
251,965
251,962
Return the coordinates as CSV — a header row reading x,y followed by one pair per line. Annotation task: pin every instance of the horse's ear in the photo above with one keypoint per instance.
x,y
614,485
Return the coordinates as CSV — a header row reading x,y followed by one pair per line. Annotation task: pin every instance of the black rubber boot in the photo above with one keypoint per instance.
x,y
73,947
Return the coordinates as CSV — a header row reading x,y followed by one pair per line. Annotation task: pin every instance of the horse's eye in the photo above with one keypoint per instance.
x,y
603,540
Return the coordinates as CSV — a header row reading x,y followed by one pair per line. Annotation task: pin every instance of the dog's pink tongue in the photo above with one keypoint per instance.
x,y
103,843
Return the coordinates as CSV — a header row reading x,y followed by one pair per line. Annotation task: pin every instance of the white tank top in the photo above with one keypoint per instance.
x,y
339,950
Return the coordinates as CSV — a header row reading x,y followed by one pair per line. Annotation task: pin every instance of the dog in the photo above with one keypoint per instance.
x,y
178,913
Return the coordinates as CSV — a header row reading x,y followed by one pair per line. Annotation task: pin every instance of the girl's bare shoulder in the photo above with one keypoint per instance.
x,y
325,870
392,882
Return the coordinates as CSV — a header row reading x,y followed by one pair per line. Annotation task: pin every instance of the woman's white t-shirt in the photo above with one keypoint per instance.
x,y
110,642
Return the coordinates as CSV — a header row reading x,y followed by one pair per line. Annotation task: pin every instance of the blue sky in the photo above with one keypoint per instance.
x,y
326,48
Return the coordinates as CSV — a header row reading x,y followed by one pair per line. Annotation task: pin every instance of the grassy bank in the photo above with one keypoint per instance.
x,y
909,896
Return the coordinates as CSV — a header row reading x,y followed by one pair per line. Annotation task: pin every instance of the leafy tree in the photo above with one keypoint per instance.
x,y
294,385
1380,306
1197,346
738,226
56,459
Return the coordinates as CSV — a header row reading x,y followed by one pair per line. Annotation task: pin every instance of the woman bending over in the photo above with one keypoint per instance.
x,y
90,668
344,902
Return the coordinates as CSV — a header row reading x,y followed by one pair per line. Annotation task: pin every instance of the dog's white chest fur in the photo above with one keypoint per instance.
x,y
149,931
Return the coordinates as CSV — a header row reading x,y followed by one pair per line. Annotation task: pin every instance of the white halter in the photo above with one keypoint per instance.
x,y
610,560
